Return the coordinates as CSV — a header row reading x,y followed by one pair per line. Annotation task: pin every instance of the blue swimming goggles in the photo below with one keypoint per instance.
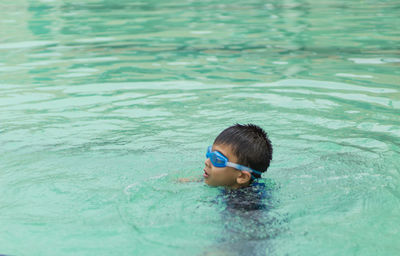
x,y
219,160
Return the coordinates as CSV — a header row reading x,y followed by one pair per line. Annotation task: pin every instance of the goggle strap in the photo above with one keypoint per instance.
x,y
242,168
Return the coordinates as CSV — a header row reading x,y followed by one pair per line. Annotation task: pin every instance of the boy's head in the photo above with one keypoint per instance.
x,y
245,145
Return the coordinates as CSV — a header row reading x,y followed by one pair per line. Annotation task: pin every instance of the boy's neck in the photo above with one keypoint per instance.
x,y
237,186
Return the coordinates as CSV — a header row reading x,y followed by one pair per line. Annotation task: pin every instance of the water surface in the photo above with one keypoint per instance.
x,y
104,104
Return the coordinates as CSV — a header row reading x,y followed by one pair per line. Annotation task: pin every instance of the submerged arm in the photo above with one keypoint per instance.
x,y
191,179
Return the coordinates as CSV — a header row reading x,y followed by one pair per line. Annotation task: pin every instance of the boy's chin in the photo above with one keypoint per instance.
x,y
210,183
207,181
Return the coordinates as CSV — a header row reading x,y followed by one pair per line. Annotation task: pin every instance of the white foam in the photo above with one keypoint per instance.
x,y
26,44
353,75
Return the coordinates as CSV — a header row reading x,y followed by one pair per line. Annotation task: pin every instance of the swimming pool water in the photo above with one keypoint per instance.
x,y
105,104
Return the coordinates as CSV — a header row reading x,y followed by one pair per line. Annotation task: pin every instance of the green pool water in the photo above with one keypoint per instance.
x,y
105,104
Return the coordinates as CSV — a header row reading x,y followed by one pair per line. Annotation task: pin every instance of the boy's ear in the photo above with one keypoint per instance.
x,y
244,177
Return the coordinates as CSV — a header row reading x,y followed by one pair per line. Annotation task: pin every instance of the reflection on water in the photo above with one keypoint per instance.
x,y
103,105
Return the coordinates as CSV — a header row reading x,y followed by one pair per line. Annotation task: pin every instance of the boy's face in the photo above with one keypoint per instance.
x,y
221,176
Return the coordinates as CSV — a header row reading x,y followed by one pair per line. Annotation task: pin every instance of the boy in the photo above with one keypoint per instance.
x,y
238,156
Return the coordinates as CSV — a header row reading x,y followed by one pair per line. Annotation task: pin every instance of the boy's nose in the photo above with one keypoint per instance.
x,y
207,162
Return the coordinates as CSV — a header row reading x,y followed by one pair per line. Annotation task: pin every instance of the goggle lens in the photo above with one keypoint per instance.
x,y
216,160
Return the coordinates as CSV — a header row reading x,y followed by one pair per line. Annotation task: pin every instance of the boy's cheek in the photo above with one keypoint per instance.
x,y
212,180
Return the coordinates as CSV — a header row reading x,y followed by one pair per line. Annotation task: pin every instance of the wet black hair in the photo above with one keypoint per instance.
x,y
250,144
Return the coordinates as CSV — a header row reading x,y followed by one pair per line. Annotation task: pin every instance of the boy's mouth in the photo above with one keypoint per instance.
x,y
205,174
